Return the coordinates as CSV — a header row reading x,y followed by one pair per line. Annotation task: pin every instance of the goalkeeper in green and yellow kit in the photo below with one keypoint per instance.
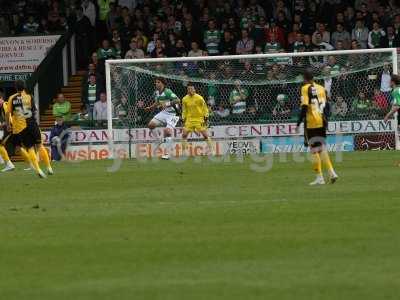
x,y
194,115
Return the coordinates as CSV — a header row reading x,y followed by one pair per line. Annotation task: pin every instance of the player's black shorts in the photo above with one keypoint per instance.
x,y
28,137
315,137
34,130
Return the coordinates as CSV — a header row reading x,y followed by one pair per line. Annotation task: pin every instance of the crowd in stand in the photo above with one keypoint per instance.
x,y
107,29
34,17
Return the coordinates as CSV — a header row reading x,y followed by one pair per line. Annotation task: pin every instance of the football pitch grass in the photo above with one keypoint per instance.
x,y
201,231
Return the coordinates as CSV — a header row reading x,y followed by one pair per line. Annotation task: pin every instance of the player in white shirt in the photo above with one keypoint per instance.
x,y
166,100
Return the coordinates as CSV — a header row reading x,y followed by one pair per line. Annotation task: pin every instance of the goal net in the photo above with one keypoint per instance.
x,y
257,98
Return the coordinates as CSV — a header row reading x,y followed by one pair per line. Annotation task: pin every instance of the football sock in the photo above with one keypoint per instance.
x,y
327,162
184,144
33,159
4,154
44,156
153,133
168,143
316,163
25,155
209,142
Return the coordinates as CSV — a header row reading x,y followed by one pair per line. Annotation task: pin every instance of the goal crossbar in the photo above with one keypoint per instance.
x,y
254,56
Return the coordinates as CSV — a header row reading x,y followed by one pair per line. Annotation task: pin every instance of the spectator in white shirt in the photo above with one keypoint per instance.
x,y
360,34
245,45
134,51
325,35
195,50
100,108
320,44
341,35
385,81
339,107
31,26
152,44
89,10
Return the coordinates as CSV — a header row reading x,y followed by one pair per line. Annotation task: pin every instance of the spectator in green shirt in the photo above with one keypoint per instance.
x,y
62,108
212,91
212,38
362,105
272,46
118,50
106,52
334,66
238,98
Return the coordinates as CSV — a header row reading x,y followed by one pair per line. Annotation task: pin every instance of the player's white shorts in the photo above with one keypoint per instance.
x,y
165,119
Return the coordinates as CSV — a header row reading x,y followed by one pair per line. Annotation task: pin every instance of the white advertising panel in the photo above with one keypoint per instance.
x,y
23,54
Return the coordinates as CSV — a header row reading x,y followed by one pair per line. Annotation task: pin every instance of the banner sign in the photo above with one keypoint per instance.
x,y
335,143
14,77
242,147
364,142
95,152
289,129
138,135
148,150
24,54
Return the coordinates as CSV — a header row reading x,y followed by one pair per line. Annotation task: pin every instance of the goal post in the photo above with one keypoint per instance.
x,y
257,89
109,110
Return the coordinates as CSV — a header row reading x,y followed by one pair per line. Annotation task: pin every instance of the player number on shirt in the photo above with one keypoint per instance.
x,y
24,113
319,106
174,120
